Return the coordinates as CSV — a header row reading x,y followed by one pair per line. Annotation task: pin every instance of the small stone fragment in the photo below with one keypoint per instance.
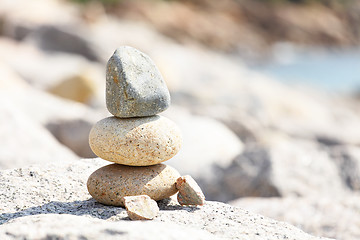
x,y
135,141
109,184
189,191
141,207
134,85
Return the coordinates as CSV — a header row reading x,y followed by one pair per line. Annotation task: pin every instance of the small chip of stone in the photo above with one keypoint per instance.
x,y
141,207
189,191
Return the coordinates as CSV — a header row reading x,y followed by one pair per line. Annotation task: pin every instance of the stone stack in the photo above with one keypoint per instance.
x,y
136,139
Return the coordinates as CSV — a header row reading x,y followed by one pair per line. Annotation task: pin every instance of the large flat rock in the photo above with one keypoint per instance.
x,y
336,216
51,200
24,141
68,121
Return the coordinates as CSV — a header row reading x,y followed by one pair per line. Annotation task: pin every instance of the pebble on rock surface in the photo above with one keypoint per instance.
x,y
134,85
189,191
109,184
135,141
141,207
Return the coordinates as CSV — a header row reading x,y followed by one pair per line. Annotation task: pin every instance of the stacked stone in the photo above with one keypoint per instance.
x,y
135,138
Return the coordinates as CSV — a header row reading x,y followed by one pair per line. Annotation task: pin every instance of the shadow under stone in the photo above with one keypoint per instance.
x,y
87,207
79,208
169,205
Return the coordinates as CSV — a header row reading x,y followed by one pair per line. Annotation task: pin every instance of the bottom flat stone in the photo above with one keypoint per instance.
x,y
109,184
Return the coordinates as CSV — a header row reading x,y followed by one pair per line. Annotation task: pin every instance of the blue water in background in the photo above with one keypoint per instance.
x,y
333,70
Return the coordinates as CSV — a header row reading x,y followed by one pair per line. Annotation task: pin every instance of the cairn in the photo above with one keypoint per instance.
x,y
135,138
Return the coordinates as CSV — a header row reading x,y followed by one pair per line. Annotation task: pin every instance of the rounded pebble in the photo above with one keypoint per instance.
x,y
135,141
109,184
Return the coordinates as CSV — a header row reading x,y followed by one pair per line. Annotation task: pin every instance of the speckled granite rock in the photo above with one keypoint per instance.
x,y
109,184
141,207
134,85
135,141
334,216
55,197
69,227
189,191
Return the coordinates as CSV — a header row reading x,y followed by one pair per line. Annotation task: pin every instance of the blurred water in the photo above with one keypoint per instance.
x,y
334,70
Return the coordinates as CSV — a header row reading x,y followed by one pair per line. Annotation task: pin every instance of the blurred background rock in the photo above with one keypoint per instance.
x,y
266,94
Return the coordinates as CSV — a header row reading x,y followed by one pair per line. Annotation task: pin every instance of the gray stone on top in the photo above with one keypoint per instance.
x,y
134,85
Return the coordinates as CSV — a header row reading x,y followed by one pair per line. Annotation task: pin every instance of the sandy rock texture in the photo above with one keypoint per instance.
x,y
31,198
331,216
135,141
109,184
51,226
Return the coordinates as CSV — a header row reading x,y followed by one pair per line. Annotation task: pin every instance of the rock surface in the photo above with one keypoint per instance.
x,y
134,85
135,141
207,144
283,167
69,122
31,142
52,201
347,160
60,67
141,207
109,184
77,88
189,191
302,144
74,133
329,216
73,226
